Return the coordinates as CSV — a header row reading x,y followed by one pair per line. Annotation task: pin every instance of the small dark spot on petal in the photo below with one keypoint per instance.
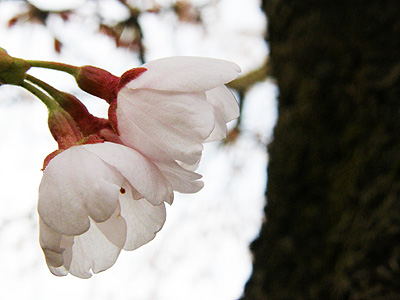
x,y
122,190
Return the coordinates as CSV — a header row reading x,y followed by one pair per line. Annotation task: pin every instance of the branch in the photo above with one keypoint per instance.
x,y
245,82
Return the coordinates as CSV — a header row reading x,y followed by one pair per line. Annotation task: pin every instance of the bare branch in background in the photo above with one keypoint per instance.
x,y
128,34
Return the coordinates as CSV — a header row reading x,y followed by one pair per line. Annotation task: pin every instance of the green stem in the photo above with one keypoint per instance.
x,y
70,69
48,101
53,92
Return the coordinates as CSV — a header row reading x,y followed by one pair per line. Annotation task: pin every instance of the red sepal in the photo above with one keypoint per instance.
x,y
128,76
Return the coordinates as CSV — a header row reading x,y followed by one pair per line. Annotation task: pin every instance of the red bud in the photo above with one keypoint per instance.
x,y
97,82
63,128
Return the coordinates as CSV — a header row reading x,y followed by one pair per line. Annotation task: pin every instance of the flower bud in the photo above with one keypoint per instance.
x,y
63,128
97,82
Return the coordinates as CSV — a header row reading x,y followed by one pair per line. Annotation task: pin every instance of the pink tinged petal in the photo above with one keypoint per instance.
x,y
92,251
181,179
225,108
77,184
145,178
143,220
157,123
185,74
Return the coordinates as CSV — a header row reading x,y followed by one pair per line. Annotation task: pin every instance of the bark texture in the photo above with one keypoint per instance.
x,y
332,227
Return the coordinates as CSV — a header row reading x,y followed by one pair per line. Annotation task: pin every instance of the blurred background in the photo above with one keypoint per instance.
x,y
203,250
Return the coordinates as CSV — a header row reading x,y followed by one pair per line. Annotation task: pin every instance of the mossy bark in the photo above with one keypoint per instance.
x,y
332,227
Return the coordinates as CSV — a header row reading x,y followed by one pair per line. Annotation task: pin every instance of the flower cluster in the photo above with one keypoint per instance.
x,y
106,186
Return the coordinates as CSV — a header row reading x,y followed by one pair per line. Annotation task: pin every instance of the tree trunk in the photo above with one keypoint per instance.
x,y
332,227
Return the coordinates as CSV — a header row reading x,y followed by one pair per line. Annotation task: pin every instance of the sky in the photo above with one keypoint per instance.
x,y
202,251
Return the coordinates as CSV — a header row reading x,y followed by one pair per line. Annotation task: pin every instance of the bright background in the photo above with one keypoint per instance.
x,y
202,251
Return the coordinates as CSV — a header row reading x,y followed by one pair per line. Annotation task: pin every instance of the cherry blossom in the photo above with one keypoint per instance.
x,y
104,190
95,200
168,108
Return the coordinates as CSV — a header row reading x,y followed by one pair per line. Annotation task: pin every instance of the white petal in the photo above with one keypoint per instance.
x,y
185,74
50,241
66,243
76,184
188,113
143,220
223,101
58,271
177,123
220,130
53,249
114,229
181,179
192,167
140,172
92,251
225,108
136,138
